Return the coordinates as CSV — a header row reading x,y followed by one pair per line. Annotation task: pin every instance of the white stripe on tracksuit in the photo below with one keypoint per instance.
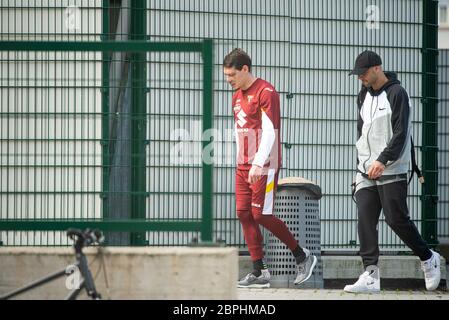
x,y
269,196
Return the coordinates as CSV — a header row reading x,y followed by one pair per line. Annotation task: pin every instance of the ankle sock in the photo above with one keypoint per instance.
x,y
259,265
299,254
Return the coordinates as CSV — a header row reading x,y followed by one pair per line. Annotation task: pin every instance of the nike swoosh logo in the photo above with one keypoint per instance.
x,y
382,109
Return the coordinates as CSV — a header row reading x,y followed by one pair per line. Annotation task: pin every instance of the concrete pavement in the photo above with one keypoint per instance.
x,y
336,294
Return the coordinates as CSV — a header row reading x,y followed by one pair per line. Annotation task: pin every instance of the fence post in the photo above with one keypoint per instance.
x,y
207,168
139,121
429,148
105,113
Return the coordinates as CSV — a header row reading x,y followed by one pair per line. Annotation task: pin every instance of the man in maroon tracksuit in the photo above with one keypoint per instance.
x,y
256,108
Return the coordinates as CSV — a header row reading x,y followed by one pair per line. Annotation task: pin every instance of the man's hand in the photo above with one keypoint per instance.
x,y
376,170
254,174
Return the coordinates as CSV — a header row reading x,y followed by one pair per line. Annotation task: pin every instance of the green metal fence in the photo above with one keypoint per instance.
x,y
305,48
76,149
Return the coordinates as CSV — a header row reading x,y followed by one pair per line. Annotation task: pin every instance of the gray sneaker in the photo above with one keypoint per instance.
x,y
251,281
305,268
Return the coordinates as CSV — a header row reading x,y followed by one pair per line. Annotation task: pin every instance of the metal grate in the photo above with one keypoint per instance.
x,y
301,213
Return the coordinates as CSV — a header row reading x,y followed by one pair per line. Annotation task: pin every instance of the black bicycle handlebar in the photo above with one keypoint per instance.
x,y
86,237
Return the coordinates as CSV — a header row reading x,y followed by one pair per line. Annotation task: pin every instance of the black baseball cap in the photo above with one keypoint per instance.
x,y
364,61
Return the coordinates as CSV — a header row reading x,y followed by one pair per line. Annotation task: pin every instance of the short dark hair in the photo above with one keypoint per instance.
x,y
237,58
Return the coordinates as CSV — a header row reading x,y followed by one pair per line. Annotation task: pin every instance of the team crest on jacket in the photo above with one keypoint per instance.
x,y
241,118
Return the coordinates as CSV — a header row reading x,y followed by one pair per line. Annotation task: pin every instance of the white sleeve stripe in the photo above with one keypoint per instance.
x,y
266,142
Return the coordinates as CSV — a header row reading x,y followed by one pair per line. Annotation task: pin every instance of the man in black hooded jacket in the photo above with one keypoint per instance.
x,y
383,157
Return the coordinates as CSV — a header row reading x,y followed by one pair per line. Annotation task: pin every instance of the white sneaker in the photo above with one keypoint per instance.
x,y
251,281
432,272
305,268
369,282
